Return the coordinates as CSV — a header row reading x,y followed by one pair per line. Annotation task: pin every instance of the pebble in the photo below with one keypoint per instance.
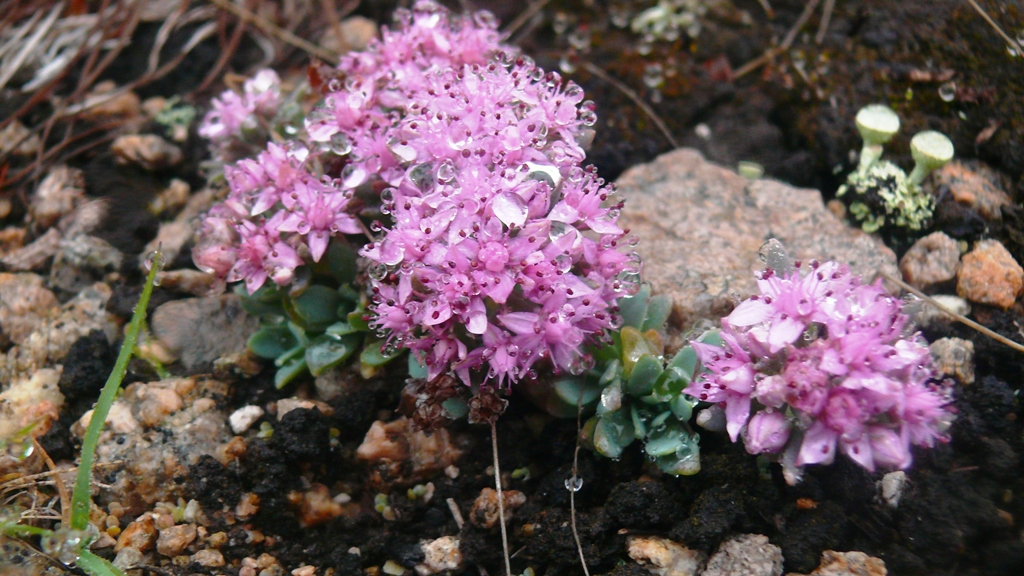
x,y
712,419
58,195
399,454
171,198
439,555
200,330
924,315
701,226
119,420
746,555
173,541
26,304
315,505
35,400
485,514
82,220
81,261
975,186
175,234
932,260
146,150
304,571
244,417
139,535
989,275
100,103
286,405
18,140
954,357
663,557
891,487
209,558
50,342
849,564
128,558
353,33
248,505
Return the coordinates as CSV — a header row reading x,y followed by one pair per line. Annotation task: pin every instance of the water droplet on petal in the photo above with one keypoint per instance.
x,y
947,92
510,208
446,171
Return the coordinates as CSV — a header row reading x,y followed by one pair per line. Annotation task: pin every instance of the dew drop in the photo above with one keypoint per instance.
x,y
573,483
947,92
446,172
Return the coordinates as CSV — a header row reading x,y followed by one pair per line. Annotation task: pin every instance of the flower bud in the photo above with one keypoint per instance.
x,y
767,432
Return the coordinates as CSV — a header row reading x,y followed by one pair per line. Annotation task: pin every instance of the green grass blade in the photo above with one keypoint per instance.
x,y
96,566
81,498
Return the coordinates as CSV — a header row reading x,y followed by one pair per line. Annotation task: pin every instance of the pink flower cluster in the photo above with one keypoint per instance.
x,y
500,250
817,364
231,112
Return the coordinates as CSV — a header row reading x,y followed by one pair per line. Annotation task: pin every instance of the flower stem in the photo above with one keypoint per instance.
x,y
501,499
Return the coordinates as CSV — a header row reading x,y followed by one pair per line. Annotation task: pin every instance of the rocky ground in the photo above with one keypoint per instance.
x,y
211,470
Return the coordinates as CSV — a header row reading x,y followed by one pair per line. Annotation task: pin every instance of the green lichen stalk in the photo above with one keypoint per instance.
x,y
883,194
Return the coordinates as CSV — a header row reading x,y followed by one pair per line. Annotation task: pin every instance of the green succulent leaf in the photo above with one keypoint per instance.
x,y
634,347
612,373
355,319
611,398
315,309
569,390
342,329
416,370
664,443
455,407
373,355
637,418
325,352
682,407
272,341
264,302
643,376
289,371
612,433
633,309
685,461
658,310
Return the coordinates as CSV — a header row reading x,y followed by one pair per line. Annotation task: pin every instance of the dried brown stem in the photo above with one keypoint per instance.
x,y
632,95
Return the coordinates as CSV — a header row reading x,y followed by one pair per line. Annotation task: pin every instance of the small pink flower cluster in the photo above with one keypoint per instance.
x,y
231,112
501,248
820,362
499,252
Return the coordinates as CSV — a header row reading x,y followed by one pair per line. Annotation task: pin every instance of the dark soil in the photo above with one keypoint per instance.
x,y
961,512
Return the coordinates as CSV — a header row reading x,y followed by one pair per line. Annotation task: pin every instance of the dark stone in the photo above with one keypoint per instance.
x,y
87,366
303,434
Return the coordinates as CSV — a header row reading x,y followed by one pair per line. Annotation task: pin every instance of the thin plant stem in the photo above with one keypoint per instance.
x,y
81,499
572,484
959,317
998,29
632,95
501,498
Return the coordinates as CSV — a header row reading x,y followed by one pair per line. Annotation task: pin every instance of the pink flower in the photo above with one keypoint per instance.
x,y
318,213
823,353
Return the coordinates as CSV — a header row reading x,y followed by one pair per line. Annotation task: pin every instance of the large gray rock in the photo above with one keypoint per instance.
x,y
201,330
701,225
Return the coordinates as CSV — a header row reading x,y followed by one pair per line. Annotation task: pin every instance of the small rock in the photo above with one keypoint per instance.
x,y
975,186
171,198
485,512
286,405
315,506
244,417
701,227
26,303
18,140
746,555
954,357
439,555
350,34
304,571
399,454
119,420
105,100
128,558
891,487
173,541
82,261
989,275
50,342
200,330
147,150
933,259
712,419
248,505
849,564
187,281
82,220
139,535
663,557
209,558
156,402
58,194
11,238
173,236
924,315
31,401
